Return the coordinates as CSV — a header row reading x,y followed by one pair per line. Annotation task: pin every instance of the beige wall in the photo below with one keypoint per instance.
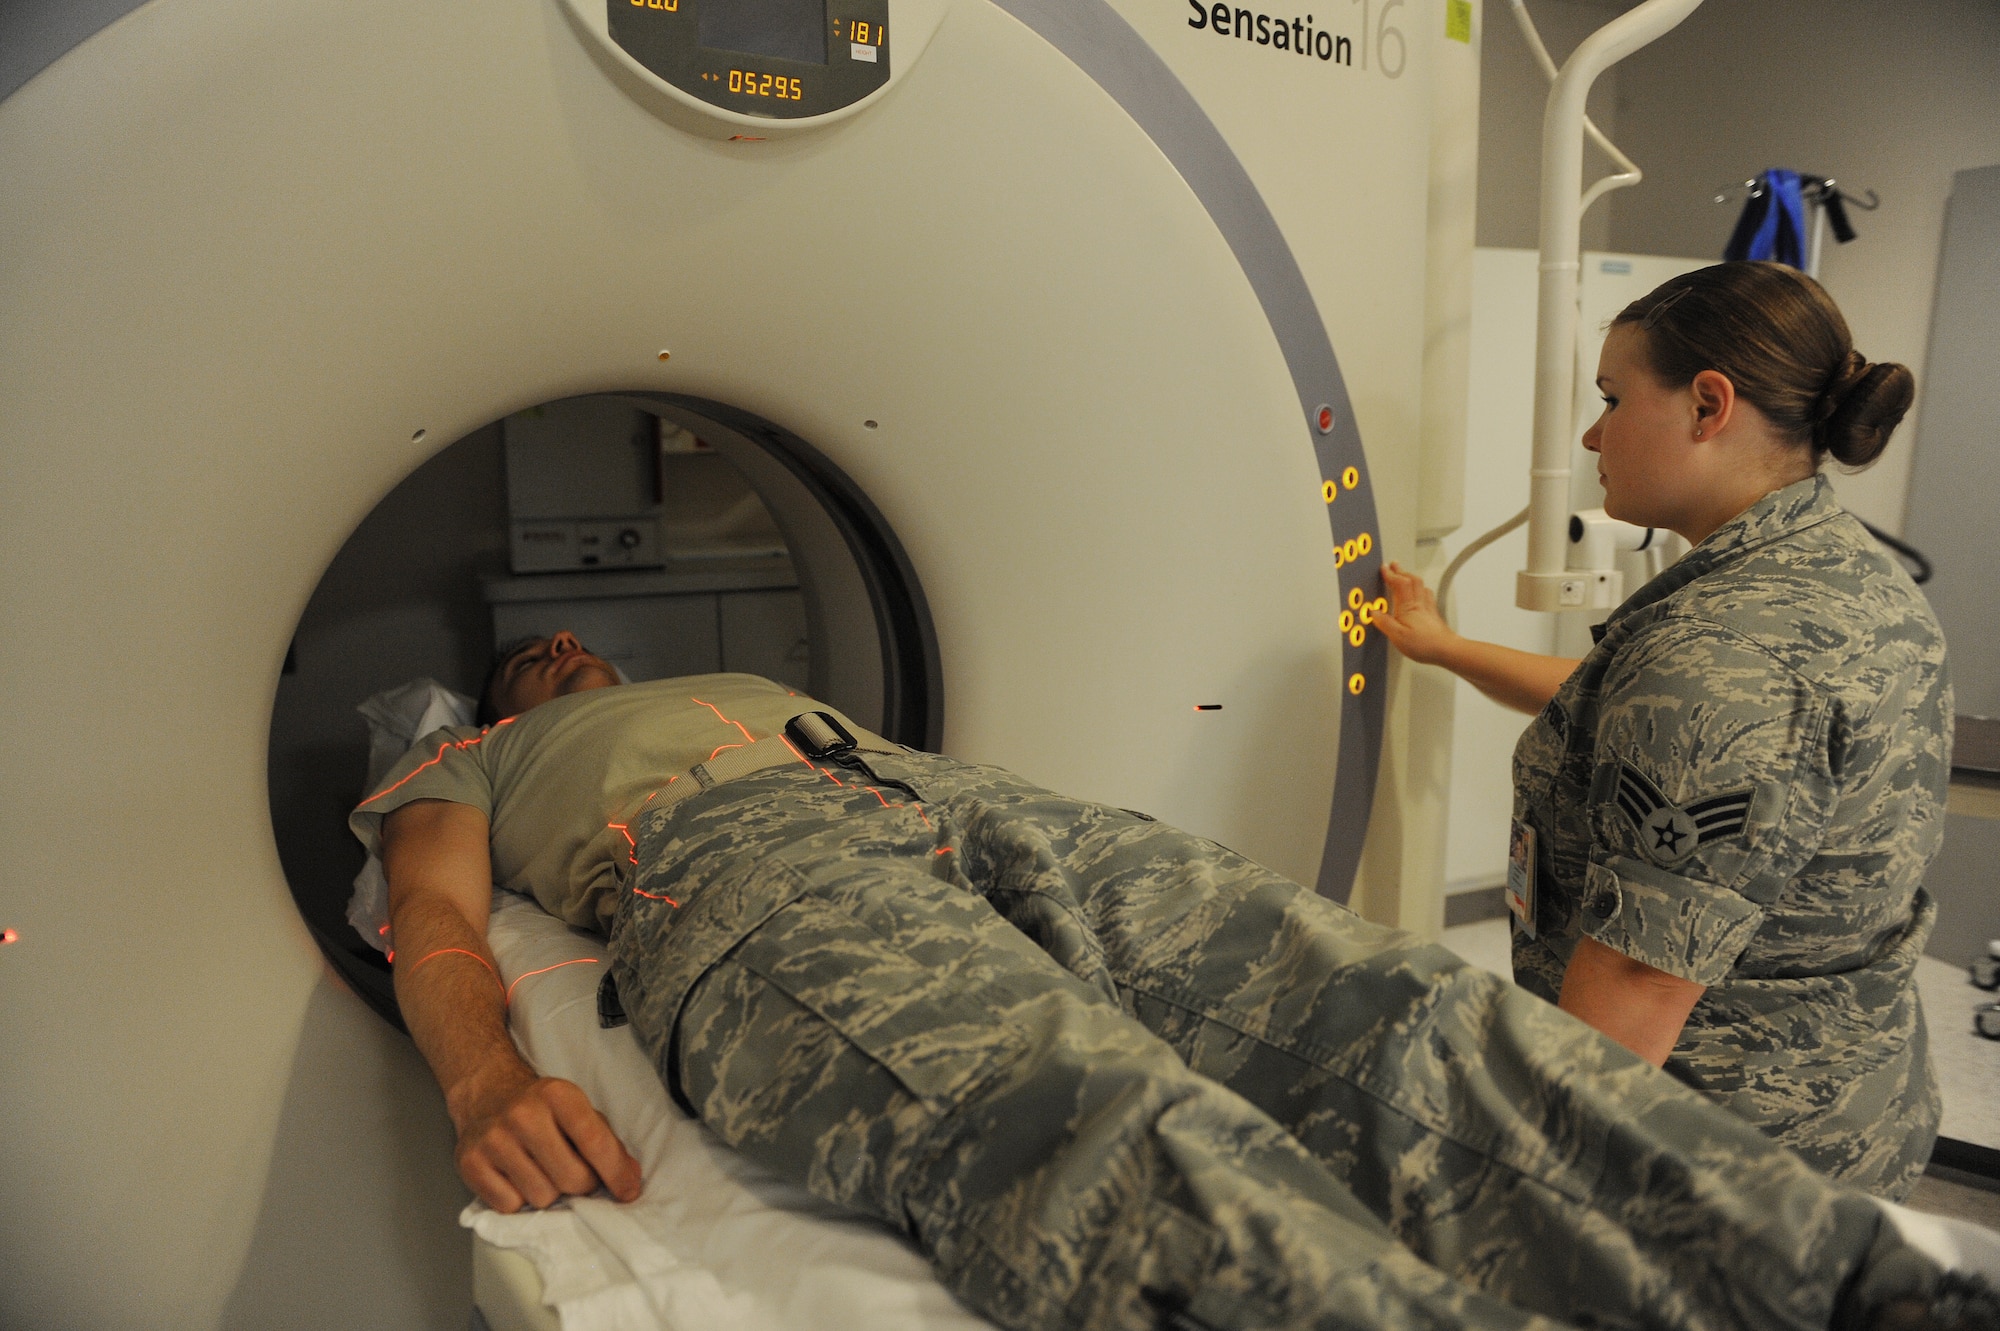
x,y
1512,91
1893,98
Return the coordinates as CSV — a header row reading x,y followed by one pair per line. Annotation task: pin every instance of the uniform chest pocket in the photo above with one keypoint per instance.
x,y
1542,758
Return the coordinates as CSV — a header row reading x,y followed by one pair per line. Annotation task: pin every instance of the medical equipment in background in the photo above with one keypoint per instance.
x,y
1547,583
1040,329
1554,579
636,534
584,486
1595,538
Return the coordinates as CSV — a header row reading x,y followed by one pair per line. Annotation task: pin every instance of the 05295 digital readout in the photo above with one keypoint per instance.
x,y
753,84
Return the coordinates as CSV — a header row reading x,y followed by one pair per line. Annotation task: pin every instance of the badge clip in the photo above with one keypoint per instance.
x,y
1520,890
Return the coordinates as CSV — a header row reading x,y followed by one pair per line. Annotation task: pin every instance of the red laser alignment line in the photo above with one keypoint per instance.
x,y
633,853
433,956
577,961
459,744
786,741
747,736
843,785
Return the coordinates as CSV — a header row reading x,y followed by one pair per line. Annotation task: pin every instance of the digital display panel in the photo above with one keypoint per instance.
x,y
774,59
784,29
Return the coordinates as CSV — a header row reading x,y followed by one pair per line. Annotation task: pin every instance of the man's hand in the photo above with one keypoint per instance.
x,y
522,1139
528,1140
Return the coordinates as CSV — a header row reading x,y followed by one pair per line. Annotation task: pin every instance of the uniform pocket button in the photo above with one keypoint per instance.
x,y
1603,905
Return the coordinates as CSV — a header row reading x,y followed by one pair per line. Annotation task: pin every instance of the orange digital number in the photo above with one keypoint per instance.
x,y
671,6
752,84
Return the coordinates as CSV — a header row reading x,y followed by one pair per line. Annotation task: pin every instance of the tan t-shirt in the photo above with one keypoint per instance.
x,y
558,782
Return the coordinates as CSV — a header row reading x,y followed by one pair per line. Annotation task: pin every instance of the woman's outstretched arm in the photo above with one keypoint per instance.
x,y
1524,681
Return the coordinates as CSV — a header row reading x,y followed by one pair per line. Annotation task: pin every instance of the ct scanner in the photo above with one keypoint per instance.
x,y
1041,305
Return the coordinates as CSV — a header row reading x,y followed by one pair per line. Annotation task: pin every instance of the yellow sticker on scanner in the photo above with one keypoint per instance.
x,y
1458,20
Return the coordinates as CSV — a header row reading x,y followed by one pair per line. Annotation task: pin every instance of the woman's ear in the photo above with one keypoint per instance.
x,y
1714,403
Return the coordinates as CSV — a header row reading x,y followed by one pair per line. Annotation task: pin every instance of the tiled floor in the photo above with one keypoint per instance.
x,y
1968,1064
1968,1068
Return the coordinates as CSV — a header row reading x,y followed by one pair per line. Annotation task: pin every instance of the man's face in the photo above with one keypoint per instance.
x,y
545,669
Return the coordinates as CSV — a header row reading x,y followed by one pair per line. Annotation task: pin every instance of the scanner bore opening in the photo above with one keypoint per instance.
x,y
417,587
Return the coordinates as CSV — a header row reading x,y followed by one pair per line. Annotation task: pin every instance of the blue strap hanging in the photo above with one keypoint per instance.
x,y
1773,224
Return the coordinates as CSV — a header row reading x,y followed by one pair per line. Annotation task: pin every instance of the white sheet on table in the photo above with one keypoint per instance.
x,y
714,1243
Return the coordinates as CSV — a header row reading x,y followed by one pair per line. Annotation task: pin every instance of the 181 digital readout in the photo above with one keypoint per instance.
x,y
753,84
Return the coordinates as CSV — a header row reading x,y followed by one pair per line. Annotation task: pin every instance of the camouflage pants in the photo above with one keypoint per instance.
x,y
1109,1075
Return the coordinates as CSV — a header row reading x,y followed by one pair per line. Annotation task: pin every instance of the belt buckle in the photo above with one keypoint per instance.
x,y
819,735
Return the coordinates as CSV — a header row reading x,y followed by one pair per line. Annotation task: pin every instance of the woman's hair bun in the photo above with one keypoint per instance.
x,y
1852,367
1782,342
1862,405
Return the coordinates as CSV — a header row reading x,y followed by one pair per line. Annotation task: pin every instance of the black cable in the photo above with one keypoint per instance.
x,y
1919,574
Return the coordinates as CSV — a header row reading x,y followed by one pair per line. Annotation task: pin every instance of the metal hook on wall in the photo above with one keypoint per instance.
x,y
1824,185
1829,205
1742,189
1829,187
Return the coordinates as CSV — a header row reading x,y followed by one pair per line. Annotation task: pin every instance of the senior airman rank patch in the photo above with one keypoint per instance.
x,y
1669,833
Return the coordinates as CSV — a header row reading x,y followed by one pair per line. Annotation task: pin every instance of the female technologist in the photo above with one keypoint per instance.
x,y
1724,812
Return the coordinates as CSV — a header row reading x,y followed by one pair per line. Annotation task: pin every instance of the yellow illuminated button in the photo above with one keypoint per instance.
x,y
1355,598
1329,492
1350,478
1355,683
1356,636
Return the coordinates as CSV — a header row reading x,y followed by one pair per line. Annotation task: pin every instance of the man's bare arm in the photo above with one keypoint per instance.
x,y
522,1138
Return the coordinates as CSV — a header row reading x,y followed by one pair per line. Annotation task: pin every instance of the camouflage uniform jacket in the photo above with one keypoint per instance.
x,y
1742,785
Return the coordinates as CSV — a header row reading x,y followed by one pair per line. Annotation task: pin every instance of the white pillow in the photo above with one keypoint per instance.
x,y
397,718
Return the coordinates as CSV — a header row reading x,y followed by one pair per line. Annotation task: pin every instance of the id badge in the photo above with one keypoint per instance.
x,y
1520,889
